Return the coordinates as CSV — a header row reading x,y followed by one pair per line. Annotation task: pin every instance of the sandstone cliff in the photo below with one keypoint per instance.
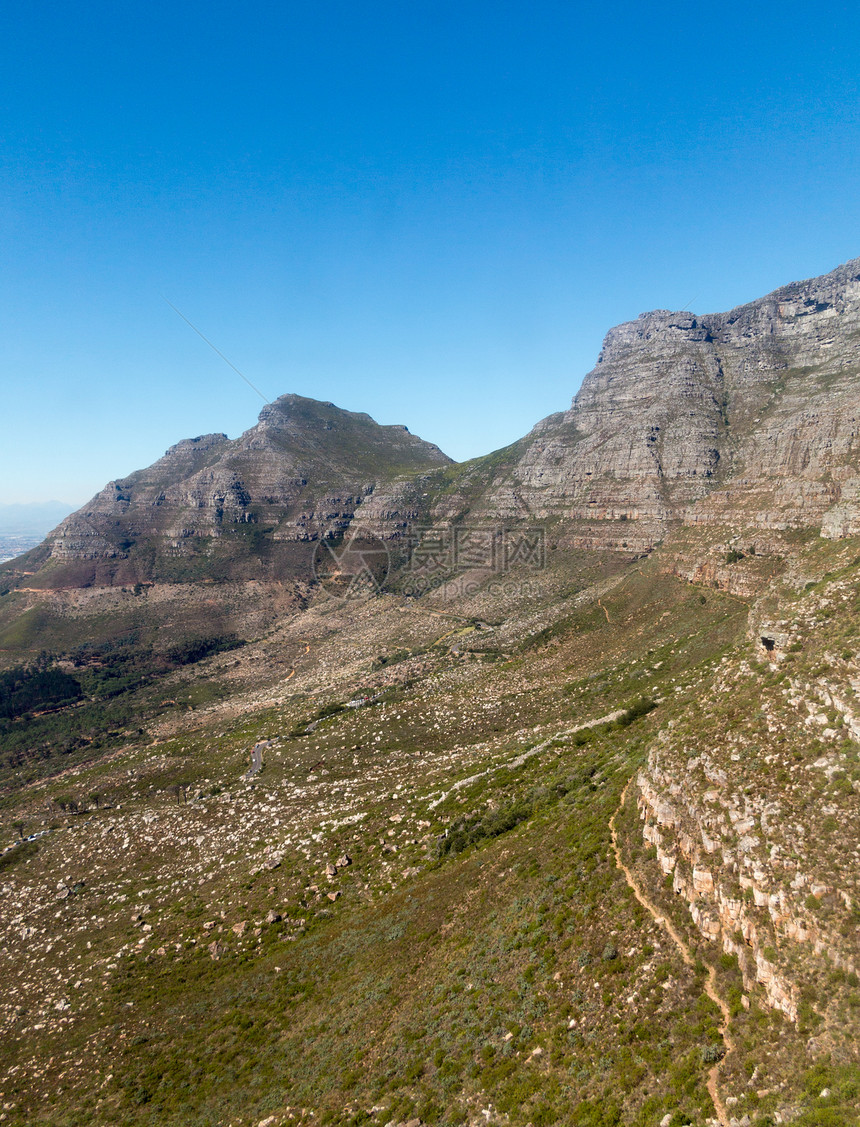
x,y
301,473
750,805
748,417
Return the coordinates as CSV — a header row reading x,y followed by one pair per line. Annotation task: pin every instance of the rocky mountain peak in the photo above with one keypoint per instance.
x,y
294,423
705,418
298,411
751,415
300,473
197,445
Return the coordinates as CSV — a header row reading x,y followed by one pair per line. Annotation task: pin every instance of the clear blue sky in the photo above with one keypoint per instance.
x,y
431,211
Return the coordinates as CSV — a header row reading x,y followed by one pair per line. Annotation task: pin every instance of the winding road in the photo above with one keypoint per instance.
x,y
256,761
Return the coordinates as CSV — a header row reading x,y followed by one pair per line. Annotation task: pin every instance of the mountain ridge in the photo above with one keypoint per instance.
x,y
685,418
666,426
299,473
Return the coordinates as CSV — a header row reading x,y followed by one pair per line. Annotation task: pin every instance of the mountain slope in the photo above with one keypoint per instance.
x,y
415,906
749,417
211,504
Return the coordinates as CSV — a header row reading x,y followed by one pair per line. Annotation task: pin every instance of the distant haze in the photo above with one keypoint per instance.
x,y
36,519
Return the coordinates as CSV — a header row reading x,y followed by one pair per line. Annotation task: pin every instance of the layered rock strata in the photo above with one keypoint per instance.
x,y
303,472
751,416
743,419
756,824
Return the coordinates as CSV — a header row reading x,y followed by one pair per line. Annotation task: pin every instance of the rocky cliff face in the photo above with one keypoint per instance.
x,y
749,417
301,473
751,808
746,419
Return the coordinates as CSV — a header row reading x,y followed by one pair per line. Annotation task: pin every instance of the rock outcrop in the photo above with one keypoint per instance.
x,y
303,472
749,417
712,878
751,808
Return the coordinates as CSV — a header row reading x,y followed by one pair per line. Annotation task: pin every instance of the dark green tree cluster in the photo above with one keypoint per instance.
x,y
36,688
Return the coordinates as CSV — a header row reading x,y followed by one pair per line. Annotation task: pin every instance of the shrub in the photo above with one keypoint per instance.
x,y
19,853
195,649
469,831
636,711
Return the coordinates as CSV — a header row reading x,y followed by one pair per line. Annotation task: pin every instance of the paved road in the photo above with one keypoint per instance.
x,y
256,760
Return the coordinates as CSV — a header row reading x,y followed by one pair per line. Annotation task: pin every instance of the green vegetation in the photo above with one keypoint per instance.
x,y
113,688
18,854
415,907
40,687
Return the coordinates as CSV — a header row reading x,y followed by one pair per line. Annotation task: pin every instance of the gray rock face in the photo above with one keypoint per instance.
x,y
301,473
749,418
745,417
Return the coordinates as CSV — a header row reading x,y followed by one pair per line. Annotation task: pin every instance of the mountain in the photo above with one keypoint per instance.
x,y
299,474
746,417
556,823
743,417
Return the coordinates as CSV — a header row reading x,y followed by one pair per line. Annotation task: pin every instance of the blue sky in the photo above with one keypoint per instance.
x,y
428,211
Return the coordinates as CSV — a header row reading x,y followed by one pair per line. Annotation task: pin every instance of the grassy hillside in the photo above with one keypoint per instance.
x,y
414,910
